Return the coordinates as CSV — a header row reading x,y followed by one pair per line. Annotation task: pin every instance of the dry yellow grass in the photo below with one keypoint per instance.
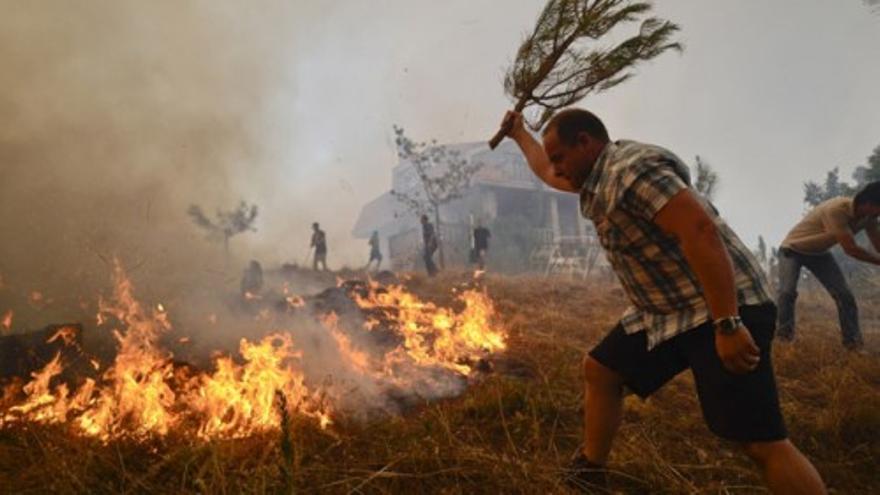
x,y
509,433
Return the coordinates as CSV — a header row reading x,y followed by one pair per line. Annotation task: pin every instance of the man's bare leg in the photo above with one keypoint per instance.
x,y
785,469
603,408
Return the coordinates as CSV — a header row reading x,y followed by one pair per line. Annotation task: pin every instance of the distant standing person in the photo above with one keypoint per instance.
x,y
319,243
252,280
429,238
375,252
481,245
835,221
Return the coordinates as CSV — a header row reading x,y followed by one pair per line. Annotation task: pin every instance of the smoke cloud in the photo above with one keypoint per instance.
x,y
117,117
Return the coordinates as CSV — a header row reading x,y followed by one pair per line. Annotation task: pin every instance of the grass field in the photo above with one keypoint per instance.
x,y
510,432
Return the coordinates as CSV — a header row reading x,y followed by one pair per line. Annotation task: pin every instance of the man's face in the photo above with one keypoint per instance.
x,y
572,163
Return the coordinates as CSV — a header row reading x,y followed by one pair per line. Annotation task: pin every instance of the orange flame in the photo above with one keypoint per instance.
x,y
439,336
356,358
295,301
6,321
137,397
140,394
65,334
237,400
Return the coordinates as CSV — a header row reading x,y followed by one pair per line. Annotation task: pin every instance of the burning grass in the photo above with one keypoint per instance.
x,y
508,432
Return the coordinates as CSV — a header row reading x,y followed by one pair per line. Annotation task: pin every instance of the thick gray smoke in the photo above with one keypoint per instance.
x,y
119,115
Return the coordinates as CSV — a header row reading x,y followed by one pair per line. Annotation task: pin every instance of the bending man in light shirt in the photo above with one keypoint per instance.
x,y
808,244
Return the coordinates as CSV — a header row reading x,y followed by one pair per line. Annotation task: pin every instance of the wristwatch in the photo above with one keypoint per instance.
x,y
728,324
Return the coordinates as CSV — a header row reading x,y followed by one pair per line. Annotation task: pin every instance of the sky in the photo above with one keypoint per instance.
x,y
120,114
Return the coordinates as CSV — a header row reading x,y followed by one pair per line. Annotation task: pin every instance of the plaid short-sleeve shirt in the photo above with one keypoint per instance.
x,y
629,184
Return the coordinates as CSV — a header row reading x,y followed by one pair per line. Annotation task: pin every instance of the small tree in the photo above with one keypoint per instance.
x,y
773,267
706,182
227,223
870,172
815,193
768,259
761,253
443,173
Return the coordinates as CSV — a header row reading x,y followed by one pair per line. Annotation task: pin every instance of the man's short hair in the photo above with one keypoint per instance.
x,y
573,121
869,194
315,225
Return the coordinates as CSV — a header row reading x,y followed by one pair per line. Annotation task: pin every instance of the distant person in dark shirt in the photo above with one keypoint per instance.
x,y
252,280
375,253
429,238
481,245
319,243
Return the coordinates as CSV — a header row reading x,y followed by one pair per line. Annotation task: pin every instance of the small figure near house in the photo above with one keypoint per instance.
x,y
835,221
481,245
429,237
252,280
319,243
375,252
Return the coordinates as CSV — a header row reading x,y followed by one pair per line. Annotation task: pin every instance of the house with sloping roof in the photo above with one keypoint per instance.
x,y
530,222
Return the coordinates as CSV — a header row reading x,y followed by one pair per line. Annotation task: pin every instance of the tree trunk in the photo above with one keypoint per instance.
x,y
437,232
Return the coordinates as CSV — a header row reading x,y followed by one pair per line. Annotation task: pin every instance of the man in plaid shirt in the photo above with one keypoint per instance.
x,y
699,299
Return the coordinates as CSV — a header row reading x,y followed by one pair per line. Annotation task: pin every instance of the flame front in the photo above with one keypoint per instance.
x,y
142,394
240,400
435,336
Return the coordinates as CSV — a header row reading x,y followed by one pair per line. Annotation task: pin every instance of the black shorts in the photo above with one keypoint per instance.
x,y
743,408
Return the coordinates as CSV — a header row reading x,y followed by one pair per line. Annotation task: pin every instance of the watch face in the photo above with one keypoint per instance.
x,y
728,325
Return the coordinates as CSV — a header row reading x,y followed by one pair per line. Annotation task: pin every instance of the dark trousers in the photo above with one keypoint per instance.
x,y
429,261
827,271
320,257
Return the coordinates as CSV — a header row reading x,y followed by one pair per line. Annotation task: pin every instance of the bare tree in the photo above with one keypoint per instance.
x,y
227,223
706,182
444,175
556,65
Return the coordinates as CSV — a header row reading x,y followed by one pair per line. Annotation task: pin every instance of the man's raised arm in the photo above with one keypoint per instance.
x,y
534,152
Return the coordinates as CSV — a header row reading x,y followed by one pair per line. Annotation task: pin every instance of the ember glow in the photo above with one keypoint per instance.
x,y
143,393
295,301
6,321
